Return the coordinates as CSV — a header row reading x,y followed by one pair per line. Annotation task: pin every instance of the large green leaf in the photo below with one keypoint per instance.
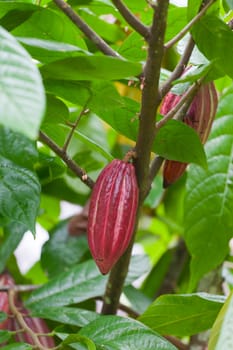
x,y
90,68
117,333
79,283
19,186
22,98
221,335
56,26
178,141
182,315
47,51
214,38
208,210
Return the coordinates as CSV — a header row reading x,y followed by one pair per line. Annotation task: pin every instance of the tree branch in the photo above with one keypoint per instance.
x,y
69,162
179,68
150,102
150,96
84,111
185,30
84,27
131,19
21,321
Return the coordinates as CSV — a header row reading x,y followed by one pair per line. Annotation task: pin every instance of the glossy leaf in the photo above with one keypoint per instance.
x,y
221,335
182,315
214,38
177,141
67,315
22,98
90,68
56,26
114,332
209,202
79,283
19,186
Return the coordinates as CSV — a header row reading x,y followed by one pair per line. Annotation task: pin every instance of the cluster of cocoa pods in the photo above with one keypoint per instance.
x,y
199,116
112,213
32,325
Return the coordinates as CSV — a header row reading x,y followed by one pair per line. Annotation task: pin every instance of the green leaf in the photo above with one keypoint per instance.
x,y
139,265
18,346
22,96
4,336
114,332
133,48
13,234
182,315
111,32
3,316
228,5
208,208
76,338
62,251
90,68
56,26
193,8
136,299
80,283
19,186
176,21
178,141
214,38
221,336
68,315
47,51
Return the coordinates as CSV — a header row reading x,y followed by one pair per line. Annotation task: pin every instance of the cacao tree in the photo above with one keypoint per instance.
x,y
123,109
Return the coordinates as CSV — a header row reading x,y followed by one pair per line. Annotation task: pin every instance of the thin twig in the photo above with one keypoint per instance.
x,y
179,68
185,30
131,19
69,162
88,31
22,323
84,111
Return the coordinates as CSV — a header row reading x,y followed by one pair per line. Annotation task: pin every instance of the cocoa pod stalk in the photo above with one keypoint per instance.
x,y
112,213
200,116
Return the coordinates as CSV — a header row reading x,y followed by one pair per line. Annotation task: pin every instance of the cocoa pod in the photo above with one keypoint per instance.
x,y
200,116
112,213
5,280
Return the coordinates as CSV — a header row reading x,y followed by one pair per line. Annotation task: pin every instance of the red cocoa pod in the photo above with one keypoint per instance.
x,y
200,116
112,213
5,280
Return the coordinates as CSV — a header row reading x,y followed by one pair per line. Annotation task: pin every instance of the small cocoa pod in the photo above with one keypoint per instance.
x,y
112,213
200,116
